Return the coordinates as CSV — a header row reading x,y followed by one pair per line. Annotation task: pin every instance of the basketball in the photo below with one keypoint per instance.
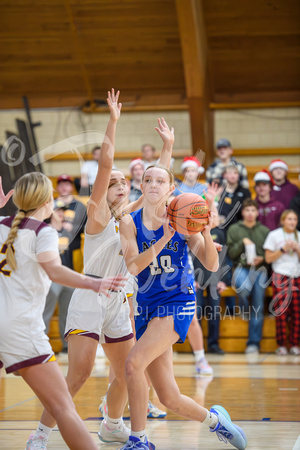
x,y
188,213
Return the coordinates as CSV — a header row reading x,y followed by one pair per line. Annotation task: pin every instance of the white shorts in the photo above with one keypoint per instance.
x,y
22,351
97,316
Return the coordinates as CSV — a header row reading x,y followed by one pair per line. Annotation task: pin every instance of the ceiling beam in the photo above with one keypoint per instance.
x,y
196,71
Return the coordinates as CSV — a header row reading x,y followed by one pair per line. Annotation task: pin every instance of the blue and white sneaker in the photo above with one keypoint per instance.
x,y
153,412
228,431
134,442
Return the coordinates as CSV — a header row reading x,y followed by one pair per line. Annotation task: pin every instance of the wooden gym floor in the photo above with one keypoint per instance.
x,y
260,392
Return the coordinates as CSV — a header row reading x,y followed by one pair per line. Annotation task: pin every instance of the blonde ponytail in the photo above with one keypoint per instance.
x,y
31,192
10,254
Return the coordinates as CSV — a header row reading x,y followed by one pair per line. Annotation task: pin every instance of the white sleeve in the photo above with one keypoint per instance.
x,y
84,169
47,241
270,242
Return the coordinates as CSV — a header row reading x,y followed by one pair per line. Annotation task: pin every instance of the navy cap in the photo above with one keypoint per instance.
x,y
223,143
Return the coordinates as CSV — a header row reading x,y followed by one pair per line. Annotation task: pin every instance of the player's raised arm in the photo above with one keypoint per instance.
x,y
98,211
4,198
168,138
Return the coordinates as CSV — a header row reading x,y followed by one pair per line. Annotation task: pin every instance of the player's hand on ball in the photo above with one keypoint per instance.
x,y
208,226
168,230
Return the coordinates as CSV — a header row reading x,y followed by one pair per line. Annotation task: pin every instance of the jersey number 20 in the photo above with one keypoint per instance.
x,y
164,265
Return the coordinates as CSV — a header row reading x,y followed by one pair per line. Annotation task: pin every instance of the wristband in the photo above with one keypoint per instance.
x,y
282,250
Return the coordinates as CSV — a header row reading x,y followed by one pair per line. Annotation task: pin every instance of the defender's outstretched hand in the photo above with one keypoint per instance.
x,y
4,198
114,106
165,132
104,285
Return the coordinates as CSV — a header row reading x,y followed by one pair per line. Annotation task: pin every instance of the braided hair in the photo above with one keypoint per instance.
x,y
31,192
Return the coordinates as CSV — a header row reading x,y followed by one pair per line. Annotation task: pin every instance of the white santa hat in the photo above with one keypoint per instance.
x,y
136,161
278,164
192,161
263,176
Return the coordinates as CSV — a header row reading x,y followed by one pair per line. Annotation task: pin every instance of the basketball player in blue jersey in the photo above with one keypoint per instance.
x,y
96,318
157,256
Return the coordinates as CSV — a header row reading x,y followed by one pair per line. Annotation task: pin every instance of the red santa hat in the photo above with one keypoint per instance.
x,y
278,164
192,161
136,161
263,176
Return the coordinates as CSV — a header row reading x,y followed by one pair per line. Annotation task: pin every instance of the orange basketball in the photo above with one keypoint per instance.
x,y
188,213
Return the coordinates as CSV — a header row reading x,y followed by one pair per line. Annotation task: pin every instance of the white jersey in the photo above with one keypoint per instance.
x,y
103,254
95,315
23,291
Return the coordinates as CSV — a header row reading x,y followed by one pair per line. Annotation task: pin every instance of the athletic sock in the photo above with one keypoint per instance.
x,y
139,434
113,424
43,429
211,419
199,354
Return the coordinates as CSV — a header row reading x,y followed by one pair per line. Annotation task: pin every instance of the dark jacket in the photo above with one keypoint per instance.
x,y
230,206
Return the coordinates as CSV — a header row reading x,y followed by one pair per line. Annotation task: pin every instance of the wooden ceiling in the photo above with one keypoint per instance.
x,y
69,52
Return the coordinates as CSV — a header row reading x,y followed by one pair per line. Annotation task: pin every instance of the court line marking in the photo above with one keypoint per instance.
x,y
17,404
297,444
288,389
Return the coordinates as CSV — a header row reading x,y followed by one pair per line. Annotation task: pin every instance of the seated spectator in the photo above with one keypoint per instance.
x,y
283,190
232,197
75,212
270,210
250,274
191,169
215,171
148,155
213,283
282,248
295,206
57,292
136,168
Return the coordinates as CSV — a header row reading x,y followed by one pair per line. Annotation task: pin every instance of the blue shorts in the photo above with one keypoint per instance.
x,y
182,314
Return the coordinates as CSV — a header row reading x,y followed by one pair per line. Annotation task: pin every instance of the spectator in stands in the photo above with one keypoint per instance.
x,y
245,241
282,248
136,168
89,171
213,283
215,171
75,213
270,210
283,190
232,197
148,155
295,206
57,292
148,152
191,169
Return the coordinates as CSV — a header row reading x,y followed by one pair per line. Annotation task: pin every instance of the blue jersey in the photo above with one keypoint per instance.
x,y
166,280
199,189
